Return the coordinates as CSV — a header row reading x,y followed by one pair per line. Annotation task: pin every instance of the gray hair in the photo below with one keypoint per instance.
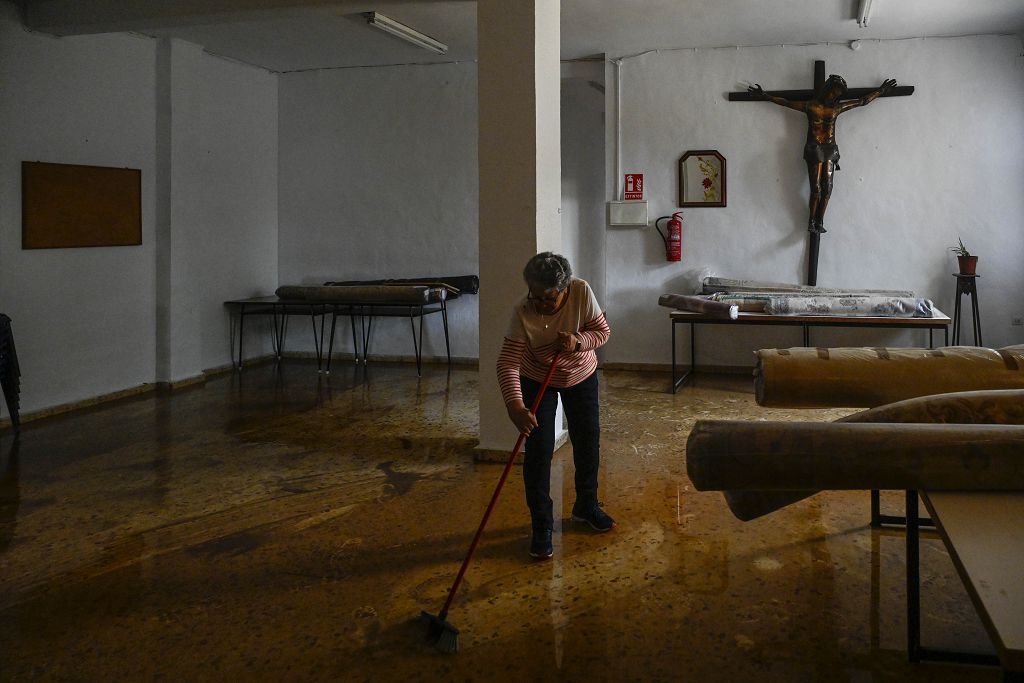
x,y
548,270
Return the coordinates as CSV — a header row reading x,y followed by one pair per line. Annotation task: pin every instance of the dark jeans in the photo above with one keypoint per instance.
x,y
583,415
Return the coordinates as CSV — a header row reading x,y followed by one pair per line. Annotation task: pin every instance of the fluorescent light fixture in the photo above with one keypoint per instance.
x,y
409,35
864,15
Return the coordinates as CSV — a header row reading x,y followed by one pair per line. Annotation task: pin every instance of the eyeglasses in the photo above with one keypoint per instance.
x,y
549,299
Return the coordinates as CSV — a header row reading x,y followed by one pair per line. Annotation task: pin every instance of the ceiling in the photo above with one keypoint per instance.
x,y
295,35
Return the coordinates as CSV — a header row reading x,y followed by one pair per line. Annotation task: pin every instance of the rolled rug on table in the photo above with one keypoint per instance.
x,y
869,377
967,407
801,456
699,304
850,306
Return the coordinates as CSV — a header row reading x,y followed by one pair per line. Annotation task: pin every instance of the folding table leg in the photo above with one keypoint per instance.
x,y
447,347
276,335
241,328
323,323
673,324
330,346
878,520
956,317
367,330
355,346
416,345
317,341
693,348
419,357
678,381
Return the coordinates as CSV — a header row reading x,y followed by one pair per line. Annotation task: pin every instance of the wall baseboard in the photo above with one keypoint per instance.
x,y
53,411
345,358
163,387
230,367
73,406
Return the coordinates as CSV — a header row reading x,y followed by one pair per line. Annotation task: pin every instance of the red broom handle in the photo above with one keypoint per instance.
x,y
494,498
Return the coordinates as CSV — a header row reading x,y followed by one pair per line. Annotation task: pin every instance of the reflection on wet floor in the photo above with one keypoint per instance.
x,y
285,525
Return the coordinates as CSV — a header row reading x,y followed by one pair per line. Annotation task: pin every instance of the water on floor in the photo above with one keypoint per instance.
x,y
283,525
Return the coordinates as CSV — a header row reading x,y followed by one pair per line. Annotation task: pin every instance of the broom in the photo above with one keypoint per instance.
x,y
443,635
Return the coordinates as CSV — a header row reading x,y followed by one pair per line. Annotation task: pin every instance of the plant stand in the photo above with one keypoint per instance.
x,y
967,284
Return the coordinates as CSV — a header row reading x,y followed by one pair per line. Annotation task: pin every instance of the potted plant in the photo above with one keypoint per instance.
x,y
968,261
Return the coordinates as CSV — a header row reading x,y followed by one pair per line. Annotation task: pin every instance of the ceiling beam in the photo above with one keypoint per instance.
x,y
77,17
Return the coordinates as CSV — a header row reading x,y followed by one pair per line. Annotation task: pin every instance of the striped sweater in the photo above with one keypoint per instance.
x,y
532,340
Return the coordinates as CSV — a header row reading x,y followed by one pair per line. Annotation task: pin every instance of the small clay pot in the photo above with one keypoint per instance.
x,y
968,264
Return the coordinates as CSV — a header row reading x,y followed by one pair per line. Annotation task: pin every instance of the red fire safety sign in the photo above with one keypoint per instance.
x,y
634,186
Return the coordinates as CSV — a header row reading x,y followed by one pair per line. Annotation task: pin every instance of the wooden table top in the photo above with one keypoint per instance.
x,y
984,532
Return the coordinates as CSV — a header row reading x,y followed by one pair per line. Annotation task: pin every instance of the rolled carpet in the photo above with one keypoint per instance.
x,y
868,377
850,306
787,456
966,407
412,295
699,304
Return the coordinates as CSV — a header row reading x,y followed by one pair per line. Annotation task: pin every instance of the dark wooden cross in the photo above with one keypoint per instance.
x,y
804,95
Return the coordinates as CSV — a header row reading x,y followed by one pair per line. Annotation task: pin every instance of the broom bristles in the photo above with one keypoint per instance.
x,y
448,642
441,634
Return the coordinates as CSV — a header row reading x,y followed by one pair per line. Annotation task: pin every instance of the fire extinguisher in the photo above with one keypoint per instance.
x,y
673,240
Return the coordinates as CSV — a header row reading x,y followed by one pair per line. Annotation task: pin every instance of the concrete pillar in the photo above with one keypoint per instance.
x,y
520,174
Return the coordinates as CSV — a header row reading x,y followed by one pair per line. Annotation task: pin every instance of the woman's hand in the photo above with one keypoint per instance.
x,y
521,417
567,340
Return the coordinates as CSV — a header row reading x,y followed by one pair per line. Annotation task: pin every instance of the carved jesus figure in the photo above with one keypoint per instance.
x,y
821,151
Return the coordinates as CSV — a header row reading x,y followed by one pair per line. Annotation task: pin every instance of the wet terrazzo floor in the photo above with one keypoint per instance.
x,y
283,525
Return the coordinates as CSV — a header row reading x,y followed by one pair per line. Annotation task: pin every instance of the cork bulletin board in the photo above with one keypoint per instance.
x,y
67,205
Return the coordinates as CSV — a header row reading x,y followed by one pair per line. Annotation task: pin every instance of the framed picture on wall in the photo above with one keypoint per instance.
x,y
702,178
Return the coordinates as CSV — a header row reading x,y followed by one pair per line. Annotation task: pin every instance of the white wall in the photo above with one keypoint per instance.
x,y
223,203
378,179
204,134
916,172
583,185
82,318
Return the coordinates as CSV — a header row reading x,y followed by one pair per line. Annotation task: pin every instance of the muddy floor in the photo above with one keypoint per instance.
x,y
280,524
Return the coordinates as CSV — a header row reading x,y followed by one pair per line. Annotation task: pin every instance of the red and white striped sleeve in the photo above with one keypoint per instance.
x,y
510,359
594,333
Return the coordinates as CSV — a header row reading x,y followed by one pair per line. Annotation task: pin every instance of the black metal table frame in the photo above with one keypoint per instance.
x,y
877,518
366,314
939,324
281,310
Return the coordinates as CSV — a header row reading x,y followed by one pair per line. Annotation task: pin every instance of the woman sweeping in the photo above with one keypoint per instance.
x,y
559,315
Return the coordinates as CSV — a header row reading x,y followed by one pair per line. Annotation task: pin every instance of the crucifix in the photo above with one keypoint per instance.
x,y
823,104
